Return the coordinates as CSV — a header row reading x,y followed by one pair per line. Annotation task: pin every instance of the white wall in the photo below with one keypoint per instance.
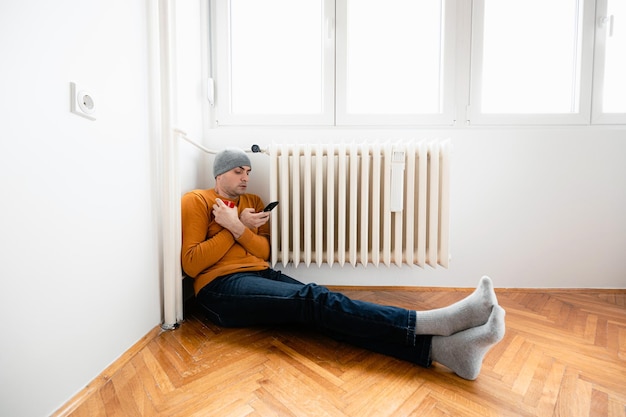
x,y
531,207
79,266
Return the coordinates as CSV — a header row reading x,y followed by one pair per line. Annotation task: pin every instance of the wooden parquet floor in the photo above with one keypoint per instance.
x,y
564,354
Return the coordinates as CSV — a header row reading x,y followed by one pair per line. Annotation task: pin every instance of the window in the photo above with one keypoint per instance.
x,y
274,57
528,60
411,63
394,63
276,62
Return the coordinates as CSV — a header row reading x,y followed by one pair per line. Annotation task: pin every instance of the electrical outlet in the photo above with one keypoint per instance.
x,y
82,103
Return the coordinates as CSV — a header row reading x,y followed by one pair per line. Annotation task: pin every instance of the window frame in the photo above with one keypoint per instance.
x,y
598,116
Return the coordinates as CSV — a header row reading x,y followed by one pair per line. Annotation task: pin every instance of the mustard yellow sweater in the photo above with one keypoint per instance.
x,y
209,250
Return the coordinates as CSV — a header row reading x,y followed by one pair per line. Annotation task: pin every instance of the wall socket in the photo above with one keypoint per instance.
x,y
82,103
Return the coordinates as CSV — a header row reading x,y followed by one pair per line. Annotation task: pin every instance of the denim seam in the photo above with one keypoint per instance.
x,y
410,330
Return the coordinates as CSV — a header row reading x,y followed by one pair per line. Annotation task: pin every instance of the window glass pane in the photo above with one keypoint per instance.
x,y
394,51
276,56
614,94
531,56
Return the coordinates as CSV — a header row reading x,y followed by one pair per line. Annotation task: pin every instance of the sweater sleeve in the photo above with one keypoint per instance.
x,y
199,250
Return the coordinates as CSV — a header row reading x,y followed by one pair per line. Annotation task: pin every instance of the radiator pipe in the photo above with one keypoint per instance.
x,y
183,135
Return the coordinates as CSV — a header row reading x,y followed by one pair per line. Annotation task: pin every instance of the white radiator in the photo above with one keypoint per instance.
x,y
361,203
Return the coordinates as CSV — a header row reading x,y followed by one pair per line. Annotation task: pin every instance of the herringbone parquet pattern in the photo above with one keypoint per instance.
x,y
564,354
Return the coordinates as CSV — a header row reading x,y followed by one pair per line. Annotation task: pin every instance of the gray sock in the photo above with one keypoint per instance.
x,y
472,311
463,352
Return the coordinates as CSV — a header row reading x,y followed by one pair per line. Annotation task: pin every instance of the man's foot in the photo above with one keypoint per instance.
x,y
472,311
463,352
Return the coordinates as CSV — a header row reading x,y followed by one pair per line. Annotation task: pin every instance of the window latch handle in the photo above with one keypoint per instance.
x,y
608,20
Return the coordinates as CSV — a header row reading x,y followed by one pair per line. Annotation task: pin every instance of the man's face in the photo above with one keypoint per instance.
x,y
233,183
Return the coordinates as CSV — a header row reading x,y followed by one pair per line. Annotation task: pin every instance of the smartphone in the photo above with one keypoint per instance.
x,y
271,206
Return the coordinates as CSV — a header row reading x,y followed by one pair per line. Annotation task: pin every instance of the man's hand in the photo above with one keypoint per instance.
x,y
252,220
228,218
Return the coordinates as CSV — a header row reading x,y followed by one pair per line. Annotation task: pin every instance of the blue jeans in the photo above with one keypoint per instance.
x,y
271,298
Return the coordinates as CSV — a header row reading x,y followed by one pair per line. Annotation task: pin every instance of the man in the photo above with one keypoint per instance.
x,y
226,250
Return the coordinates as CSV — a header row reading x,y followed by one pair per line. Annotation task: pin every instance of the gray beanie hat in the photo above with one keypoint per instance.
x,y
228,159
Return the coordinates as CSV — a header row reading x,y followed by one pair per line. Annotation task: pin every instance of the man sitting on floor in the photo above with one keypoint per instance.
x,y
226,250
